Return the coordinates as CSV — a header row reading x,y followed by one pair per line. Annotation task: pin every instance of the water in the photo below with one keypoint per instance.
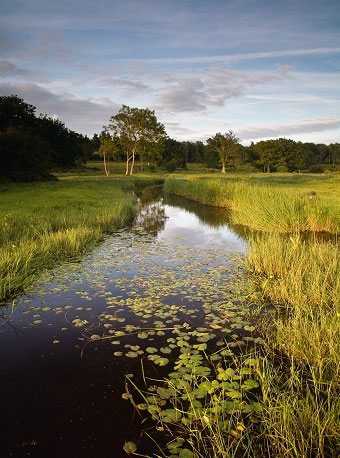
x,y
61,389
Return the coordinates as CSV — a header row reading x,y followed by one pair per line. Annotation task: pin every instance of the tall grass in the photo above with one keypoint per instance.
x,y
300,375
261,207
301,418
41,224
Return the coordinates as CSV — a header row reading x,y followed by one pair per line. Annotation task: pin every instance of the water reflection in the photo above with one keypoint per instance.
x,y
173,262
178,220
151,217
213,217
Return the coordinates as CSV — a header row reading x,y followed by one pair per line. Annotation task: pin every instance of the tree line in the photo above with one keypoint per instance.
x,y
135,133
31,146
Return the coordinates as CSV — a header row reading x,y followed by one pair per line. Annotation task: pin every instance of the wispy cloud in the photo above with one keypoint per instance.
x,y
279,130
237,57
213,88
126,84
8,69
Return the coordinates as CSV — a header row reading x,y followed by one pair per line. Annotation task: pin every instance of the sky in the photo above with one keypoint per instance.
x,y
262,68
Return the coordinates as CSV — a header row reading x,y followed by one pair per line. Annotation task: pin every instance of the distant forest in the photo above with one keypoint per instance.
x,y
32,146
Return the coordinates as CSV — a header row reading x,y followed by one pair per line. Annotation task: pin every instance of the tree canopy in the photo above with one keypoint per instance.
x,y
139,133
31,146
227,147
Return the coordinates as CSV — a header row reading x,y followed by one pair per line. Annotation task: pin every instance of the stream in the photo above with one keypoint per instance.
x,y
67,345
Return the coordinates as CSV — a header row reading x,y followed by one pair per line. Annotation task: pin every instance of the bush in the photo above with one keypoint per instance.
x,y
282,169
152,168
171,166
316,169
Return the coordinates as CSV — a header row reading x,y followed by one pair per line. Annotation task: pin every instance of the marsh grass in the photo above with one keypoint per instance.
x,y
260,206
301,398
300,277
42,224
300,416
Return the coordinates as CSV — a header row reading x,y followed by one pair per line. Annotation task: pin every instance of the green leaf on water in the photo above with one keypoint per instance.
x,y
131,354
186,453
161,361
233,394
252,362
130,447
249,384
170,415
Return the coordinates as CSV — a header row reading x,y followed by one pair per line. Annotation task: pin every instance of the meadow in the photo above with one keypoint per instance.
x,y
44,223
294,272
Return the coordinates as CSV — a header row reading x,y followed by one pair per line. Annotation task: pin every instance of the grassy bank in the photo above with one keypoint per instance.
x,y
43,223
302,371
300,279
271,204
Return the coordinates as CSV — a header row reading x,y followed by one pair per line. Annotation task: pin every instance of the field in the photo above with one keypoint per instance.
x,y
293,271
280,203
43,223
299,275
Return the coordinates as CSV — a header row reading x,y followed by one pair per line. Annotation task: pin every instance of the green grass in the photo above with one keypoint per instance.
x,y
43,223
302,406
268,203
299,278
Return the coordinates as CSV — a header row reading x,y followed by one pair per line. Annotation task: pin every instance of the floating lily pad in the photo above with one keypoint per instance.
x,y
130,447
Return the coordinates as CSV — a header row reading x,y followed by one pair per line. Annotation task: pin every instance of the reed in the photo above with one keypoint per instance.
x,y
259,206
46,223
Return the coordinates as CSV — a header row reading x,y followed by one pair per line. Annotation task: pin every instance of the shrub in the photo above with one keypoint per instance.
x,y
316,169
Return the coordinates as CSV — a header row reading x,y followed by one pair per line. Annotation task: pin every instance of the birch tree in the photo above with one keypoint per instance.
x,y
136,128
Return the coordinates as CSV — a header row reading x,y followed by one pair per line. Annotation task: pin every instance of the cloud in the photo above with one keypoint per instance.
x,y
212,88
307,126
237,57
177,129
124,84
7,68
80,114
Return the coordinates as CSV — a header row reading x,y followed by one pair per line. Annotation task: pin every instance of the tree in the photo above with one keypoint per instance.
x,y
334,153
15,113
17,161
31,146
135,128
268,155
227,146
150,151
107,147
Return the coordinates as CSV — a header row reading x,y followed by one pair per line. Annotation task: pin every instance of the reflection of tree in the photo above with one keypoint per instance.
x,y
211,216
152,213
150,194
151,217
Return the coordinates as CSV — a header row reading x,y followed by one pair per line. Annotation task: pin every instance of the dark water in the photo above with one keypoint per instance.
x,y
61,390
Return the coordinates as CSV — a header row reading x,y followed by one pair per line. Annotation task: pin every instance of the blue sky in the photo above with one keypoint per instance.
x,y
263,68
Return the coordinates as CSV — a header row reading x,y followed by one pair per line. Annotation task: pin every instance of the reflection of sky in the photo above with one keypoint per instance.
x,y
184,227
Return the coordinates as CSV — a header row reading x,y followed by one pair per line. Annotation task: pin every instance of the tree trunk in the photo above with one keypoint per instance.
x,y
105,167
223,167
132,163
127,165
